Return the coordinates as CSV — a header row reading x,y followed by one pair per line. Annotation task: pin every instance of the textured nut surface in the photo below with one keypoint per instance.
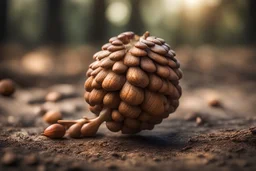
x,y
137,79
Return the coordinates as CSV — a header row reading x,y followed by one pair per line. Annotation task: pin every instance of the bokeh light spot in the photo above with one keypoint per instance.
x,y
118,13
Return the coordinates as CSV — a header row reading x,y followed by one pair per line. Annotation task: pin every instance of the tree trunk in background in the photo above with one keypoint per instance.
x,y
135,23
53,33
179,37
251,25
98,25
210,21
3,20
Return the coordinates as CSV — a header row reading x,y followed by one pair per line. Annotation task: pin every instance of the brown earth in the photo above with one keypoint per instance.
x,y
196,136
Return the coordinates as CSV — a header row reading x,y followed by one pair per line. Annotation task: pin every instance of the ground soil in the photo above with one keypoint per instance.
x,y
219,139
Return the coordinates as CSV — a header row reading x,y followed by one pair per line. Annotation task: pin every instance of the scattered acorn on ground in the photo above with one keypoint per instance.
x,y
58,130
132,85
7,87
52,116
9,158
214,102
53,96
55,131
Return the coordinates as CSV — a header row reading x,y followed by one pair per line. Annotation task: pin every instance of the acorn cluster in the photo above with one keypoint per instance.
x,y
136,79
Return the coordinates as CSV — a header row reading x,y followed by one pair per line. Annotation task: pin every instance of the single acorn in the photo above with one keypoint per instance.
x,y
52,116
74,131
7,87
133,84
55,131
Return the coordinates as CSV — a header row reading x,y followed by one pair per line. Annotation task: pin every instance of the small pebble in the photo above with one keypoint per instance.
x,y
156,159
74,167
191,116
116,155
50,106
52,116
253,130
214,103
123,157
68,108
9,158
53,96
112,167
30,159
66,90
199,121
41,168
7,87
39,110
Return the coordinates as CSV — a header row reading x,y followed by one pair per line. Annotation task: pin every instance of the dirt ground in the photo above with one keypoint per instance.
x,y
219,140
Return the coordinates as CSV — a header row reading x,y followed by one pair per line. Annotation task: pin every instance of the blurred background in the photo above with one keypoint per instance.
x,y
46,42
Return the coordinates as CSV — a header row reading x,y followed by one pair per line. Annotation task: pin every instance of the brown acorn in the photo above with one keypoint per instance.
x,y
55,131
133,84
74,131
52,116
7,87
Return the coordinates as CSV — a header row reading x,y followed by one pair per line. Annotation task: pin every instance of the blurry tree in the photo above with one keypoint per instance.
x,y
251,25
98,26
3,20
210,23
53,32
179,36
135,23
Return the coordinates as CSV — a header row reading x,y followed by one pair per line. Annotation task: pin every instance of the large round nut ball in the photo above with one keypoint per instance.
x,y
137,78
7,87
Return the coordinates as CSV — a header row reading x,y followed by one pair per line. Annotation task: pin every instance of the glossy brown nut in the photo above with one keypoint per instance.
x,y
55,131
7,87
52,116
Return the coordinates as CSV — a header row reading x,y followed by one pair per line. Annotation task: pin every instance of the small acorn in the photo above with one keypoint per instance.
x,y
52,116
90,129
7,87
55,131
133,84
75,130
53,96
214,102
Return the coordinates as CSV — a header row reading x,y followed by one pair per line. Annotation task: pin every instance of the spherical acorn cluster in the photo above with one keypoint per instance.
x,y
136,79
